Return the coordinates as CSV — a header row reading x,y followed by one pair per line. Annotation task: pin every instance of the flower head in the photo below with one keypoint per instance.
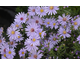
x,y
20,17
63,33
12,33
35,55
10,53
22,52
41,11
52,9
64,19
76,23
31,28
32,10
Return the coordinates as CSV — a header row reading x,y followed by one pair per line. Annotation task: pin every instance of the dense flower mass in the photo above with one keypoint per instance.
x,y
36,34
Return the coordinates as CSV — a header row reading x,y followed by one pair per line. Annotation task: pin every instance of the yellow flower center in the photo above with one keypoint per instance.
x,y
48,22
54,39
13,32
64,32
4,55
9,52
35,56
17,25
18,36
54,24
0,41
40,33
22,52
75,23
51,7
41,10
34,40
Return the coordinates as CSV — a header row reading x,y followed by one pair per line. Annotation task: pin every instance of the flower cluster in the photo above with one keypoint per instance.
x,y
37,34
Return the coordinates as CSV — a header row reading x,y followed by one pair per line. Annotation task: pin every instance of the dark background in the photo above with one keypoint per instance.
x,y
7,14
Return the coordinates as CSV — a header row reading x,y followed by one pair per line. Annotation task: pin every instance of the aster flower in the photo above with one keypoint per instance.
x,y
78,39
47,22
12,44
41,33
47,44
34,39
41,11
16,24
67,26
32,10
35,55
31,28
54,24
76,23
54,39
52,9
22,52
31,47
4,47
3,55
37,20
20,17
19,38
63,33
2,41
64,19
10,53
12,33
28,19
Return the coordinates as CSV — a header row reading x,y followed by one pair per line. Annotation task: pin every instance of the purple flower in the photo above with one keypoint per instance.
x,y
78,39
2,41
31,28
12,44
41,11
64,19
32,10
54,39
19,38
54,24
48,44
63,33
33,39
22,52
57,46
52,9
21,17
55,49
31,47
12,33
37,20
35,55
10,53
76,23
78,57
3,55
47,22
76,53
